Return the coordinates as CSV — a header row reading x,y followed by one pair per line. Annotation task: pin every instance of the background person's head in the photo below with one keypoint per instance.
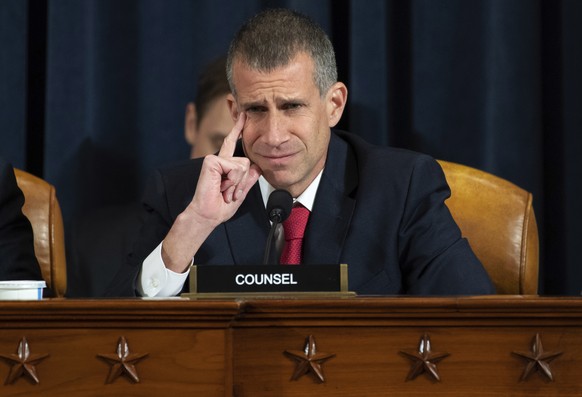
x,y
208,119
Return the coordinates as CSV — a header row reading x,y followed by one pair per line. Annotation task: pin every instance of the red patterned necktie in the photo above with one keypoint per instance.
x,y
294,230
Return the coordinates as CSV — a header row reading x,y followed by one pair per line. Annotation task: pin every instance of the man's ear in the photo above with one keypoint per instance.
x,y
337,97
190,120
232,107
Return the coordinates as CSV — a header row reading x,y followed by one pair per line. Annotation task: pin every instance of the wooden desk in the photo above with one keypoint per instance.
x,y
236,348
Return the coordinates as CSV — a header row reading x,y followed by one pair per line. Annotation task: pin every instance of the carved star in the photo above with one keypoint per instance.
x,y
424,360
122,362
23,363
537,359
309,360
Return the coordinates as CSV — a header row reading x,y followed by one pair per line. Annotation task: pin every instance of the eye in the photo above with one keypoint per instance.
x,y
292,106
256,109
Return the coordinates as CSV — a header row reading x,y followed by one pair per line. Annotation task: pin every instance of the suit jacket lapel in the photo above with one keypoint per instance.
x,y
333,207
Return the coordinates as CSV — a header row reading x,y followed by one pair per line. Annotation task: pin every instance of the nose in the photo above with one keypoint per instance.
x,y
274,132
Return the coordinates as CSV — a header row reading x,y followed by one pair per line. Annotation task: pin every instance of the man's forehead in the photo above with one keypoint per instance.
x,y
277,86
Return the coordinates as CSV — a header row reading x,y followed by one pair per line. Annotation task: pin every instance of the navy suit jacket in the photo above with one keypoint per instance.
x,y
380,210
17,259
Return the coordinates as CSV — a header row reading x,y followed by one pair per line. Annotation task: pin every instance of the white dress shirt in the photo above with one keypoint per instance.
x,y
156,280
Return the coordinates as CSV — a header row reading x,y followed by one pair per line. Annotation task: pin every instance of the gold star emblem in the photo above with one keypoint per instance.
x,y
309,360
537,359
424,360
122,362
23,363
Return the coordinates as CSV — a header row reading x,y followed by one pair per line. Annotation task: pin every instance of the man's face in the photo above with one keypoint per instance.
x,y
206,135
287,130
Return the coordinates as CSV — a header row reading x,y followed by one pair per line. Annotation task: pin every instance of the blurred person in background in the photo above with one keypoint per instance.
x,y
99,242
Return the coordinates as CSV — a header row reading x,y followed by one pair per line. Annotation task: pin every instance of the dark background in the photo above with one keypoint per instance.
x,y
92,93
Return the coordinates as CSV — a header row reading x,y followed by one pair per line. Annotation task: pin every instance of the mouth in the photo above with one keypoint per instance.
x,y
278,156
279,159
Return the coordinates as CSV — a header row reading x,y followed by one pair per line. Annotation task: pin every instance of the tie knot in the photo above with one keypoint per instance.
x,y
295,225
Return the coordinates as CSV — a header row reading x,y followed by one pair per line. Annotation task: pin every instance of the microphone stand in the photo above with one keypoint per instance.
x,y
278,209
274,240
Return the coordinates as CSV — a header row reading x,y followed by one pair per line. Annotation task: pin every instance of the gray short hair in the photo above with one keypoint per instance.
x,y
272,38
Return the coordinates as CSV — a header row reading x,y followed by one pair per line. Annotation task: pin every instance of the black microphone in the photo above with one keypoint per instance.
x,y
278,209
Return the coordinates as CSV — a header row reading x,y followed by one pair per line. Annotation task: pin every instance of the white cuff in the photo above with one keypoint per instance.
x,y
157,280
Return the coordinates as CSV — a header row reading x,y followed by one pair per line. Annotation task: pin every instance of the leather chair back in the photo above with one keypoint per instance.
x,y
497,218
44,213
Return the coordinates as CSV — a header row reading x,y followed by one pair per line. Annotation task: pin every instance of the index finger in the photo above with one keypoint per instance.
x,y
229,143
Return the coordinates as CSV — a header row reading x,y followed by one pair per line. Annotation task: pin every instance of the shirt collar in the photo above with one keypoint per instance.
x,y
306,198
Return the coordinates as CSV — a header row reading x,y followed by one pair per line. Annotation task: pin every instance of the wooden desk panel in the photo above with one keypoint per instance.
x,y
368,362
177,359
367,336
188,346
236,347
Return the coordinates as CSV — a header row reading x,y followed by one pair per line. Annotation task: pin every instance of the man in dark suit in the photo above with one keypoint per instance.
x,y
379,210
17,259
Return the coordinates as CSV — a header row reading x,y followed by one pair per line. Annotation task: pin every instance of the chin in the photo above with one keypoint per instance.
x,y
277,180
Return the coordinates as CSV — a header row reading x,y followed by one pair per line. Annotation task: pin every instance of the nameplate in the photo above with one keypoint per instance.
x,y
227,279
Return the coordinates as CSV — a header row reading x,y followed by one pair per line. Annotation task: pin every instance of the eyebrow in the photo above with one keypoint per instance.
x,y
247,105
278,101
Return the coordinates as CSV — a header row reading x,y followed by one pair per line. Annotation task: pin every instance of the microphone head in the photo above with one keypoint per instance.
x,y
279,205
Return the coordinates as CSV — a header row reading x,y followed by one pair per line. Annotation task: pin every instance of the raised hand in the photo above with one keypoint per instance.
x,y
224,180
224,183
